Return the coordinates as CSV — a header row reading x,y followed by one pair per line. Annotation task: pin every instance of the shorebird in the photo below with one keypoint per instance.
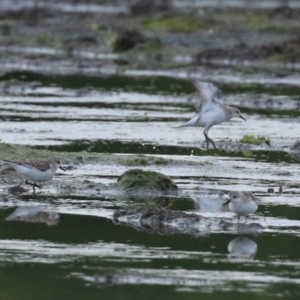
x,y
209,111
34,170
242,203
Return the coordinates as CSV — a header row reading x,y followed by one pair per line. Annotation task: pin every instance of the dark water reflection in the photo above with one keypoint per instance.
x,y
106,83
100,258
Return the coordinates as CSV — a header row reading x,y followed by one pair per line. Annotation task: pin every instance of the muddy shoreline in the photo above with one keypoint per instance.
x,y
41,38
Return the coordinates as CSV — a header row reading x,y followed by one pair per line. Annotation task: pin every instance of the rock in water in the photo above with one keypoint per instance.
x,y
128,39
140,181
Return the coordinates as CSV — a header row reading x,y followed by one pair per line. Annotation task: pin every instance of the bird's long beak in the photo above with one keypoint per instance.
x,y
62,168
242,118
226,202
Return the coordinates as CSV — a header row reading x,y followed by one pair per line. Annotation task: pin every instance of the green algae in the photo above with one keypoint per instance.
x,y
253,140
21,153
180,23
137,180
49,39
143,160
4,145
248,153
151,45
253,20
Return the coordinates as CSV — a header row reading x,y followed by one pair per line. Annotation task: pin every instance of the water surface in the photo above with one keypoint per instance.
x,y
85,252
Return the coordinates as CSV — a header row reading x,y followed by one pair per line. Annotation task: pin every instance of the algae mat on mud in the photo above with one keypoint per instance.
x,y
137,180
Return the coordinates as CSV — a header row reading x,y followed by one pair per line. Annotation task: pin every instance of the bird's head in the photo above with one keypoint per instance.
x,y
57,164
234,196
235,112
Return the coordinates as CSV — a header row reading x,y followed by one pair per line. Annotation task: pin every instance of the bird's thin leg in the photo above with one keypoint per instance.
x,y
205,132
27,182
37,185
34,185
239,219
206,138
212,143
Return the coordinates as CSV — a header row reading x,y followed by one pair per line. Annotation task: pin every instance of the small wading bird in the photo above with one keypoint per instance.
x,y
209,111
242,204
35,171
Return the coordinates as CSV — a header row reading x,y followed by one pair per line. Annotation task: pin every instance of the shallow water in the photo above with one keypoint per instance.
x,y
86,253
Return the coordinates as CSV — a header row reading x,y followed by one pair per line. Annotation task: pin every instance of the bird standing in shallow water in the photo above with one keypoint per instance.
x,y
36,171
209,111
242,203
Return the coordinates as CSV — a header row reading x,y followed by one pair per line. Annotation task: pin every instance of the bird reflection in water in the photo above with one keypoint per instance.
x,y
34,214
242,248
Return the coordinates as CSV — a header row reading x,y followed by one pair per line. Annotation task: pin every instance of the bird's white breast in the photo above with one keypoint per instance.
x,y
242,208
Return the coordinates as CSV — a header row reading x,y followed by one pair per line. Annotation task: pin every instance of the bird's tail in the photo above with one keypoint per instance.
x,y
3,166
191,122
6,164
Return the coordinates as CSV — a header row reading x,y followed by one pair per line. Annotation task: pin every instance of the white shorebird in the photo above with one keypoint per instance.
x,y
36,171
209,111
242,203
